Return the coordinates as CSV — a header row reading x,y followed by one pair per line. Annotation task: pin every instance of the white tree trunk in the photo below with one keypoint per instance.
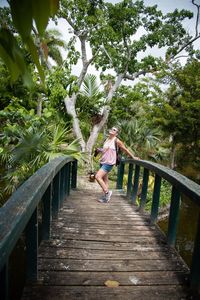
x,y
70,107
70,102
39,106
173,156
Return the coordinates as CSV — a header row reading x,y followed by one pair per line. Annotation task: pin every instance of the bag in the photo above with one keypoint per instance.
x,y
96,152
118,156
92,176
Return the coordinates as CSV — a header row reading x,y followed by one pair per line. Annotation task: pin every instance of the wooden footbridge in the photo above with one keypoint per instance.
x,y
90,250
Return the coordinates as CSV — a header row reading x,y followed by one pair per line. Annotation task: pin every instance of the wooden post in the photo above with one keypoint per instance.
x,y
144,189
136,183
4,283
173,216
68,178
74,175
120,176
47,213
155,200
195,266
56,195
62,186
32,247
130,177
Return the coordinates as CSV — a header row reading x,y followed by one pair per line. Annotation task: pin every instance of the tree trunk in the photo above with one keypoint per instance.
x,y
173,155
70,107
39,106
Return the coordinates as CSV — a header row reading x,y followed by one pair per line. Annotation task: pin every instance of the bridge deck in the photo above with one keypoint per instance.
x,y
96,245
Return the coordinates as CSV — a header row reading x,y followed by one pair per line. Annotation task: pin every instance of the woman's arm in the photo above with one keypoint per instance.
x,y
125,150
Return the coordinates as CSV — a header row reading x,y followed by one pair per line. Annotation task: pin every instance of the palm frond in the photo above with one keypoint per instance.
x,y
90,86
55,54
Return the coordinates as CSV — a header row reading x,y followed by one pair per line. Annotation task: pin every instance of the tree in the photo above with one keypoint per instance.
x,y
177,109
112,32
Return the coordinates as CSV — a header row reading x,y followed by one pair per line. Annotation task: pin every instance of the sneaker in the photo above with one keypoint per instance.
x,y
108,196
102,200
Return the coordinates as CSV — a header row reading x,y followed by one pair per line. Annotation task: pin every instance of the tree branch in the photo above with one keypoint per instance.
x,y
107,54
184,46
197,35
197,18
136,75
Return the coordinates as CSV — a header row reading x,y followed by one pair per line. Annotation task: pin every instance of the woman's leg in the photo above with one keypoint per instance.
x,y
100,179
105,179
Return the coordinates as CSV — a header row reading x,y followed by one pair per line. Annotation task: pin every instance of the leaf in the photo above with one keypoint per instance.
x,y
21,11
13,57
54,6
111,283
41,14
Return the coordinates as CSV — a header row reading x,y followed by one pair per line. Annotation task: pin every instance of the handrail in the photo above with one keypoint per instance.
x,y
180,185
51,184
181,182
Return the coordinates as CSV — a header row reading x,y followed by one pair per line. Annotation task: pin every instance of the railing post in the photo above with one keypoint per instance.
x,y
4,283
173,216
144,189
62,186
56,195
120,176
32,247
47,213
136,183
155,199
74,175
195,266
68,178
129,184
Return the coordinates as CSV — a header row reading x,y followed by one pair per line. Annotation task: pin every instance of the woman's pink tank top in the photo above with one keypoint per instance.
x,y
109,152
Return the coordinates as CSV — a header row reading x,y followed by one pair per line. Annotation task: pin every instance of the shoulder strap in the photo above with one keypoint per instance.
x,y
116,145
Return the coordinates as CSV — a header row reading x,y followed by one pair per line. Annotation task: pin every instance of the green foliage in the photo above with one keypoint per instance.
x,y
24,13
89,104
27,143
165,195
145,142
12,56
127,104
122,24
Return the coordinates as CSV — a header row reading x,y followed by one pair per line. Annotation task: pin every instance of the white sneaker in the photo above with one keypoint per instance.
x,y
108,196
102,199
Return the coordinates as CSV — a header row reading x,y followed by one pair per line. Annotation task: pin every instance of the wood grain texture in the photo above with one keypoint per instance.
x,y
93,242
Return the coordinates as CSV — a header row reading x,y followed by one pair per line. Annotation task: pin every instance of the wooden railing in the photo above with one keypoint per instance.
x,y
50,185
180,185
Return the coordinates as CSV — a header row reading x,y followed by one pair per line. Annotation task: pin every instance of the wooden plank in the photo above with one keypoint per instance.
x,y
87,226
136,245
124,278
94,221
142,230
99,293
102,237
117,265
60,253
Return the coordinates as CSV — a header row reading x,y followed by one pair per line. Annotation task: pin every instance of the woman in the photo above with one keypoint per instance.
x,y
108,160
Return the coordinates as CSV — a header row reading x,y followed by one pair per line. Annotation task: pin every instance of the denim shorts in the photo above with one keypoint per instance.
x,y
107,168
